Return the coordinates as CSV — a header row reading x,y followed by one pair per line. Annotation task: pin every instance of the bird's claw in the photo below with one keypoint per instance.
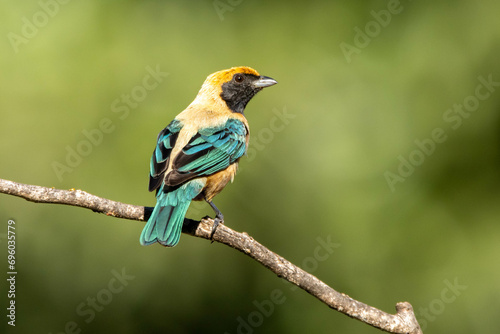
x,y
217,221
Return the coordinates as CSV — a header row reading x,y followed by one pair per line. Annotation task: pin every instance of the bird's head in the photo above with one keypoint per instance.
x,y
233,88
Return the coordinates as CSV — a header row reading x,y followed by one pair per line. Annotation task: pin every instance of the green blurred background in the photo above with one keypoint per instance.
x,y
323,142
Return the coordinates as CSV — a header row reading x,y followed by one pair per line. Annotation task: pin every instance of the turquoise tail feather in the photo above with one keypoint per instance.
x,y
165,224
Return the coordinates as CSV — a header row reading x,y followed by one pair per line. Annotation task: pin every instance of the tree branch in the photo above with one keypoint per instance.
x,y
404,321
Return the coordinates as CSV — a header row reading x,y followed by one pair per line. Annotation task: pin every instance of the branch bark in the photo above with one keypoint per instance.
x,y
404,321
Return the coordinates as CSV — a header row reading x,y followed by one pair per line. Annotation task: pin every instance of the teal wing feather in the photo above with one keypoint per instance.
x,y
161,155
208,152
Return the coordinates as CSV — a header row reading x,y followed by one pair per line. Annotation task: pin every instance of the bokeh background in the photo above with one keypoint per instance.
x,y
314,187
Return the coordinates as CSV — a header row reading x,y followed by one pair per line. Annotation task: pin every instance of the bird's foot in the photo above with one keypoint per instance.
x,y
218,220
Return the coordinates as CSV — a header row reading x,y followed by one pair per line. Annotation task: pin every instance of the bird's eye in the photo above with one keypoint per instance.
x,y
238,78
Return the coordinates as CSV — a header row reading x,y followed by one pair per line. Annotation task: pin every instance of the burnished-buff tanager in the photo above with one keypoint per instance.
x,y
197,154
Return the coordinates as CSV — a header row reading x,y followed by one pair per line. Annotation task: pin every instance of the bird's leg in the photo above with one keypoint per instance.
x,y
219,217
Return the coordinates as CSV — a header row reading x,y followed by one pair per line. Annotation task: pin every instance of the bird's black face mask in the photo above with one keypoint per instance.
x,y
239,91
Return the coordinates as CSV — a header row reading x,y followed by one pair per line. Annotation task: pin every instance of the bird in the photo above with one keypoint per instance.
x,y
197,154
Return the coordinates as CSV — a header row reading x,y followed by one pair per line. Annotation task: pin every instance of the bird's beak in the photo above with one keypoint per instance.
x,y
264,82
